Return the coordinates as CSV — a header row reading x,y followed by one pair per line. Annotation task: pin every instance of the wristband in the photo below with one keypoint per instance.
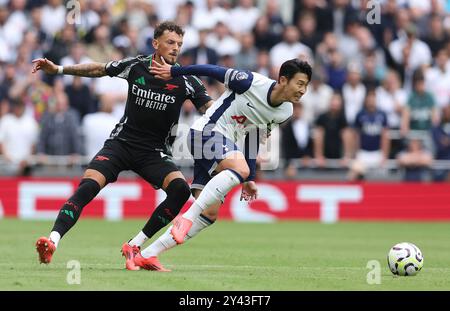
x,y
60,70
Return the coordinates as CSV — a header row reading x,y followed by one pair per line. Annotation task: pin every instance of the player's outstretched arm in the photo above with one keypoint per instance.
x,y
238,81
165,71
91,70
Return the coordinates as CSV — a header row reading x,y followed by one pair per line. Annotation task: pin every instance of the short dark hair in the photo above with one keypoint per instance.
x,y
418,75
170,26
17,102
294,66
371,90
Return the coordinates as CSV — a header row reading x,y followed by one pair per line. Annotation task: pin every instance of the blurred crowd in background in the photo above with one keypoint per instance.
x,y
380,91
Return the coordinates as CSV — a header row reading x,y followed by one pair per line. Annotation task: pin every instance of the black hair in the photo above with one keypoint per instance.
x,y
294,66
418,75
170,26
16,102
371,90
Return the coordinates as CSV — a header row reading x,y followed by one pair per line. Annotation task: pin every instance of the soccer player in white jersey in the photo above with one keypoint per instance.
x,y
218,138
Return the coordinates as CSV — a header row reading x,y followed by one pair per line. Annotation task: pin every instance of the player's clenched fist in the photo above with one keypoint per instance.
x,y
46,65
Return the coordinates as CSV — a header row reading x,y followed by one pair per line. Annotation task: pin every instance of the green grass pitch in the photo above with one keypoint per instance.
x,y
228,256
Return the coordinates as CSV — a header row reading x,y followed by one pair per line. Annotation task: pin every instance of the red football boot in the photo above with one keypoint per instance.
x,y
45,247
151,263
180,229
129,252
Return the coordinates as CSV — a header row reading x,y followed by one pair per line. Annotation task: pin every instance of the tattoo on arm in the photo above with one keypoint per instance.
x,y
86,70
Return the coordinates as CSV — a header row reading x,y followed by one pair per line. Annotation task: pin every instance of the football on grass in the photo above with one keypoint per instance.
x,y
405,259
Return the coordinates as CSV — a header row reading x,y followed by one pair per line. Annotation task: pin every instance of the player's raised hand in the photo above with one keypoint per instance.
x,y
161,70
44,64
249,191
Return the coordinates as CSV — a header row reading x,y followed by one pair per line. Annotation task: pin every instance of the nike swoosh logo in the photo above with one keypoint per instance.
x,y
251,106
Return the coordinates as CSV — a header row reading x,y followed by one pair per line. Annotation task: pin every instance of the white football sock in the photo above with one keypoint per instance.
x,y
214,192
166,241
200,223
55,237
138,240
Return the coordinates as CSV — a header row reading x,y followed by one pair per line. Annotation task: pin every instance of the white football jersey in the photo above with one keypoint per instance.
x,y
235,114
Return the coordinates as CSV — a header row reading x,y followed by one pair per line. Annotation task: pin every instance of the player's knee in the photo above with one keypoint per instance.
x,y
179,188
245,172
96,176
242,170
90,184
